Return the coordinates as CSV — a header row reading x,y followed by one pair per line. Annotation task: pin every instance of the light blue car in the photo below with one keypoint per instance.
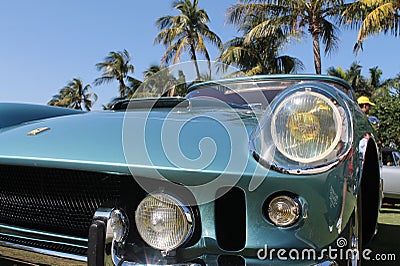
x,y
241,171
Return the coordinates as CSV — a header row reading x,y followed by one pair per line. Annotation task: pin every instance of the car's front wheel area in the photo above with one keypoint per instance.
x,y
355,233
370,188
350,241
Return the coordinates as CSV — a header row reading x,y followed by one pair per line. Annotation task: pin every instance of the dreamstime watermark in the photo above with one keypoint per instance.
x,y
332,253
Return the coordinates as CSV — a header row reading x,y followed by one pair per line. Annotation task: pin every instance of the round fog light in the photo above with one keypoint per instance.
x,y
119,225
283,211
163,222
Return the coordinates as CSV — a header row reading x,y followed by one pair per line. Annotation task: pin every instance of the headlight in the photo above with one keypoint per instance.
x,y
307,130
306,126
163,222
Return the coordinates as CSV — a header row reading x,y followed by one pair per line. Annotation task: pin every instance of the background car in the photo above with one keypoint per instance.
x,y
236,170
390,174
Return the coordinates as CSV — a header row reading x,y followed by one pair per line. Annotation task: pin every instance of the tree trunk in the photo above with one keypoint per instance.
x,y
194,59
172,91
317,54
122,88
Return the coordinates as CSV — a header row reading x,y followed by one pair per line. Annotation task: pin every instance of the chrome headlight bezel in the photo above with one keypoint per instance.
x,y
275,151
149,213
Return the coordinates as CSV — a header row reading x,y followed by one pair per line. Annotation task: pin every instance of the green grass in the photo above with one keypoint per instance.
x,y
387,241
390,215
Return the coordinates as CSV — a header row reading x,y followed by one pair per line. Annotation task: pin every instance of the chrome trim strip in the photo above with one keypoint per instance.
x,y
42,161
40,255
44,241
296,170
37,255
20,232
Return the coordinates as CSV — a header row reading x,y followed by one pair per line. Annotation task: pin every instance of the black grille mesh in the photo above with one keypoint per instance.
x,y
54,200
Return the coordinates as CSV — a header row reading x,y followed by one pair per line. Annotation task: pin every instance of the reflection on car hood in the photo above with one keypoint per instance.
x,y
93,141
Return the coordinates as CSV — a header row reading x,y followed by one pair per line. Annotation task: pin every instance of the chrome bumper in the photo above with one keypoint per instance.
x,y
101,249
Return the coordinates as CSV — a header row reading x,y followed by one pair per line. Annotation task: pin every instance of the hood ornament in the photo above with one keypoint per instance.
x,y
38,131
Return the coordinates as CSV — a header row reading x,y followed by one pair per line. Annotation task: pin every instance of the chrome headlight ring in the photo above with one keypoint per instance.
x,y
308,130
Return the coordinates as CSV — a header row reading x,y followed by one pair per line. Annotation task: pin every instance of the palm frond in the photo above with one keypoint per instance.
x,y
180,33
329,36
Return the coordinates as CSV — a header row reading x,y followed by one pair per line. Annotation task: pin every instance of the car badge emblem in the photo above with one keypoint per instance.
x,y
38,131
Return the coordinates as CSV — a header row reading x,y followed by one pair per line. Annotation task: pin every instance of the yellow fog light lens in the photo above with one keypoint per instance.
x,y
163,222
283,211
306,126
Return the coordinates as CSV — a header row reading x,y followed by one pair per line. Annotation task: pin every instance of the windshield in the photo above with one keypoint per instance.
x,y
247,93
391,158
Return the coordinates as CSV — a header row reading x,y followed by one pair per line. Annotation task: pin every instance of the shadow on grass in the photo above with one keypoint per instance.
x,y
384,246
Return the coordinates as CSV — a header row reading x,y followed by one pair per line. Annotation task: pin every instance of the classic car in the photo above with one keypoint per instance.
x,y
240,171
390,174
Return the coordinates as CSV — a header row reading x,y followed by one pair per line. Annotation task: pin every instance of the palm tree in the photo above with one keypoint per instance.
x,y
372,17
130,90
160,81
74,96
352,76
186,33
151,71
296,17
378,86
371,86
116,66
56,100
259,56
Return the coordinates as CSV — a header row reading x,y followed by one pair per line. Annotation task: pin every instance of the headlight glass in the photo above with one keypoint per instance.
x,y
163,222
306,126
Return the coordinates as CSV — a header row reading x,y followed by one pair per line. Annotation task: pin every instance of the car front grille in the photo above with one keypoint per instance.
x,y
54,200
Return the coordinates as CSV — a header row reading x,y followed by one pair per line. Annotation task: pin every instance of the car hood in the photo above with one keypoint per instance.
x,y
23,112
197,139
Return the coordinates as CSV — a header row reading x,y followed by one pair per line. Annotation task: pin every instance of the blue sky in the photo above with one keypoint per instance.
x,y
46,43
